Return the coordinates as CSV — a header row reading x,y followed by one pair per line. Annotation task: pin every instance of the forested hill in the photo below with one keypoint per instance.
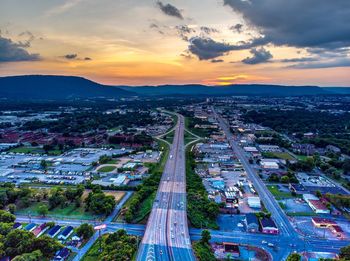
x,y
56,88
235,89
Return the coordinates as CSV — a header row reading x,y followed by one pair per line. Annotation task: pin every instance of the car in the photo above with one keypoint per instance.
x,y
270,245
263,242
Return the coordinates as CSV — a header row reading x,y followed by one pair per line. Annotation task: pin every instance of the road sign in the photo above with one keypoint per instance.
x,y
103,226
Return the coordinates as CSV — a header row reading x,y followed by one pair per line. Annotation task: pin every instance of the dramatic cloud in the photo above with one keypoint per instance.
x,y
237,28
344,62
184,31
27,42
298,60
260,55
74,56
71,56
209,30
298,23
206,48
170,10
15,52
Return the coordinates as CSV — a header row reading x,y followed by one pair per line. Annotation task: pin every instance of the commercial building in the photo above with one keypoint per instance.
x,y
252,222
268,226
254,202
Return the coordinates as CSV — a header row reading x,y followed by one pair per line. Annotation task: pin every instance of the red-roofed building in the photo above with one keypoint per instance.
x,y
318,207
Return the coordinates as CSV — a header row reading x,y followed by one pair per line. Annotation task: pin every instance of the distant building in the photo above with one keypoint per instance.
x,y
62,254
297,188
334,149
231,248
268,226
66,233
330,224
305,149
252,222
315,204
254,202
269,148
54,231
269,165
30,227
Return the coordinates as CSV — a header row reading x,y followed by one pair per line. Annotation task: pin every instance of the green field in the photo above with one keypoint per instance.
x,y
301,214
278,194
107,169
69,212
35,150
279,155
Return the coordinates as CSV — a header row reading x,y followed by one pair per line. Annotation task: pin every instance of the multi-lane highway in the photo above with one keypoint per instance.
x,y
166,236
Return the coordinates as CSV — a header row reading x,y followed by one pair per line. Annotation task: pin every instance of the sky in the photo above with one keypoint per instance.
x,y
146,42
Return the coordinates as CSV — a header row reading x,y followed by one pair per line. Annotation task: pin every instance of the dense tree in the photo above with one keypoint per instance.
x,y
85,231
100,203
33,256
12,208
6,217
294,257
205,236
43,210
345,253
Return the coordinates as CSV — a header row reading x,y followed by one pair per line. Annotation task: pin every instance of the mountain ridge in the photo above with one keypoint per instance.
x,y
71,87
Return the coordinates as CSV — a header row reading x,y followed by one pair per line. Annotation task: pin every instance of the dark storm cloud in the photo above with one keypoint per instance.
x,y
298,23
15,52
345,62
206,48
71,56
237,28
170,10
209,30
217,61
260,55
302,59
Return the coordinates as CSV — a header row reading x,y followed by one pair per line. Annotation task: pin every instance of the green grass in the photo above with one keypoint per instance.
x,y
145,204
93,253
278,194
279,155
189,137
35,150
301,214
106,169
199,132
70,212
145,208
282,205
197,197
112,161
169,137
302,157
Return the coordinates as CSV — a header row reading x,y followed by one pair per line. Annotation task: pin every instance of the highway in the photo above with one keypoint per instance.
x,y
166,236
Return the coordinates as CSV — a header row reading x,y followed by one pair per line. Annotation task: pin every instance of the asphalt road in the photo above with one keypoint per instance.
x,y
166,236
270,203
